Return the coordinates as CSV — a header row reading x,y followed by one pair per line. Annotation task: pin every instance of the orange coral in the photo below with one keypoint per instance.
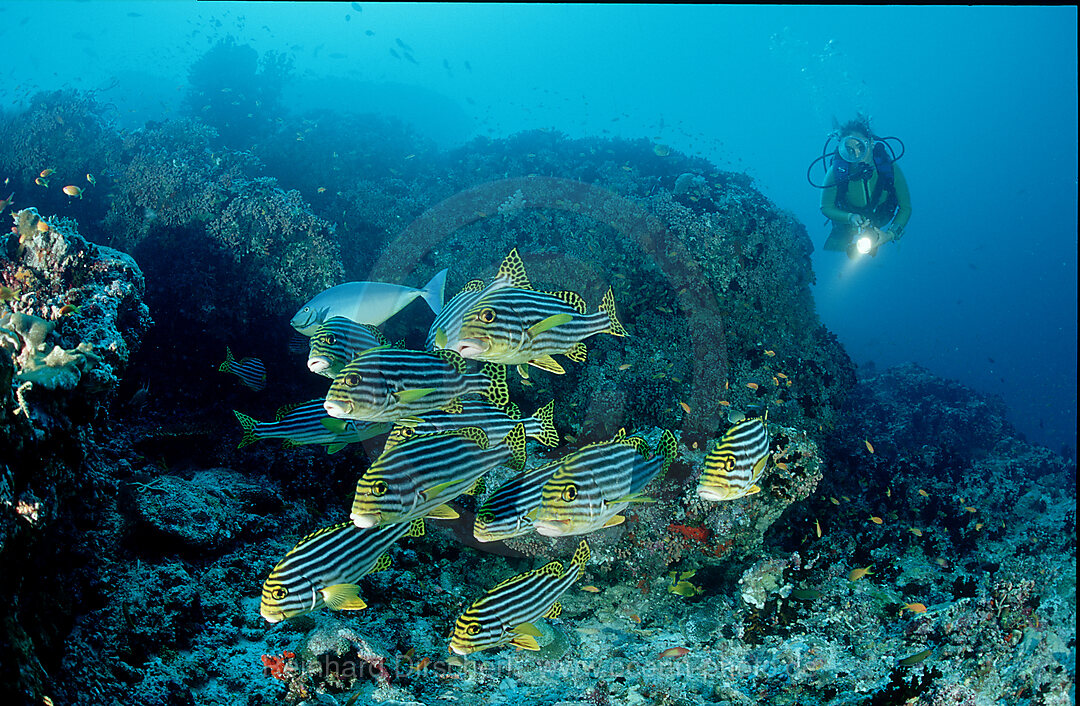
x,y
274,666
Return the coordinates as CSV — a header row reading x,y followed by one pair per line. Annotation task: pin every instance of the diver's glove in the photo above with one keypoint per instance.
x,y
894,233
857,220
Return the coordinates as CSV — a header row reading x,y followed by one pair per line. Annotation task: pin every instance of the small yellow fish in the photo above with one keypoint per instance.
x,y
857,574
590,588
41,182
770,353
46,173
686,407
781,376
781,465
970,509
42,226
685,589
72,190
7,293
673,652
321,190
915,607
916,531
68,309
877,520
978,526
888,492
570,438
869,446
775,381
90,178
817,528
924,493
845,498
624,366
752,385
834,501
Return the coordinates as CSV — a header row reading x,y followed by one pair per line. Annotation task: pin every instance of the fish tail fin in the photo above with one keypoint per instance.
x,y
607,305
497,392
549,435
229,360
434,291
667,447
581,558
248,425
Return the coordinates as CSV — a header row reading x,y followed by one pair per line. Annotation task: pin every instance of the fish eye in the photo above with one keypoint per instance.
x,y
352,379
473,630
279,593
306,308
485,517
487,315
379,488
729,464
569,493
329,339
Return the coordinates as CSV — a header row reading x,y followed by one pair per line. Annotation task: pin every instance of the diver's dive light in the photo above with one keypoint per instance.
x,y
864,244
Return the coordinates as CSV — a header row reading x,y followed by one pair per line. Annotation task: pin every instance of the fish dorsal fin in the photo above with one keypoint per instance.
x,y
512,270
578,353
343,596
473,285
325,530
515,439
511,581
376,334
229,360
547,363
416,528
554,611
477,488
475,434
527,629
581,557
497,391
638,444
381,564
547,324
284,410
454,406
571,299
453,359
607,306
554,568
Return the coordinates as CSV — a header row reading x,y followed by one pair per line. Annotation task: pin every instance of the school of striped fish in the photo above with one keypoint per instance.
x,y
449,421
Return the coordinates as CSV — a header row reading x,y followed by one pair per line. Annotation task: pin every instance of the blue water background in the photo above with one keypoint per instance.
x,y
983,287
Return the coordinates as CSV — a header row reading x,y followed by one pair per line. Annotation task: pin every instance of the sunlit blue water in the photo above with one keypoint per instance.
x,y
983,287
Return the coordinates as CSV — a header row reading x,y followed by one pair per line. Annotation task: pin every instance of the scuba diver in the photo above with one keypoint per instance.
x,y
865,194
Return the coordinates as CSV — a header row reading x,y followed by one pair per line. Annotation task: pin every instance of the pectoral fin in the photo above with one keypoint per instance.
x,y
440,338
406,396
548,324
527,629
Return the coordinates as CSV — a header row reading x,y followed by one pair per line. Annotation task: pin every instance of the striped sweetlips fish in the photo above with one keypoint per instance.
x,y
325,566
496,422
734,465
418,476
251,371
517,326
508,511
389,384
337,341
506,613
594,484
447,324
365,302
308,423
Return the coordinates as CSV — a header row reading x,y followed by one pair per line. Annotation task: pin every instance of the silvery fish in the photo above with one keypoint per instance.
x,y
390,384
447,324
365,302
507,512
251,371
506,613
325,566
337,341
495,421
734,465
594,484
418,476
308,423
515,326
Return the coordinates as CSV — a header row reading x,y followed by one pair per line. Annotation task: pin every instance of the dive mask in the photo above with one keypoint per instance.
x,y
853,148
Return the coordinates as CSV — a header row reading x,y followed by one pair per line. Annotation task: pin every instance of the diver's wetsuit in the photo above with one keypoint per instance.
x,y
856,197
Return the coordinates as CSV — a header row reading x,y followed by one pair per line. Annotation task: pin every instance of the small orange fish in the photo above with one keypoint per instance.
x,y
770,353
869,446
978,526
726,384
877,520
673,652
845,498
90,178
970,509
67,309
725,403
924,493
781,465
752,385
857,574
916,531
72,190
590,588
321,190
42,226
526,383
775,380
635,617
685,407
915,607
781,376
46,173
624,366
422,664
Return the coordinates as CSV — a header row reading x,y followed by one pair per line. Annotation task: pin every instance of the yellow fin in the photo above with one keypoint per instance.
x,y
525,642
333,424
547,363
616,520
343,596
334,448
578,353
440,338
548,323
443,512
381,564
413,395
554,611
416,528
753,489
527,629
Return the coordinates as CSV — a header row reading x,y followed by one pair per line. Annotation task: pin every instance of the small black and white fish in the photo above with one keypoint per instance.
x,y
734,465
308,423
325,566
390,384
418,476
508,511
251,371
337,341
506,613
447,324
496,422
